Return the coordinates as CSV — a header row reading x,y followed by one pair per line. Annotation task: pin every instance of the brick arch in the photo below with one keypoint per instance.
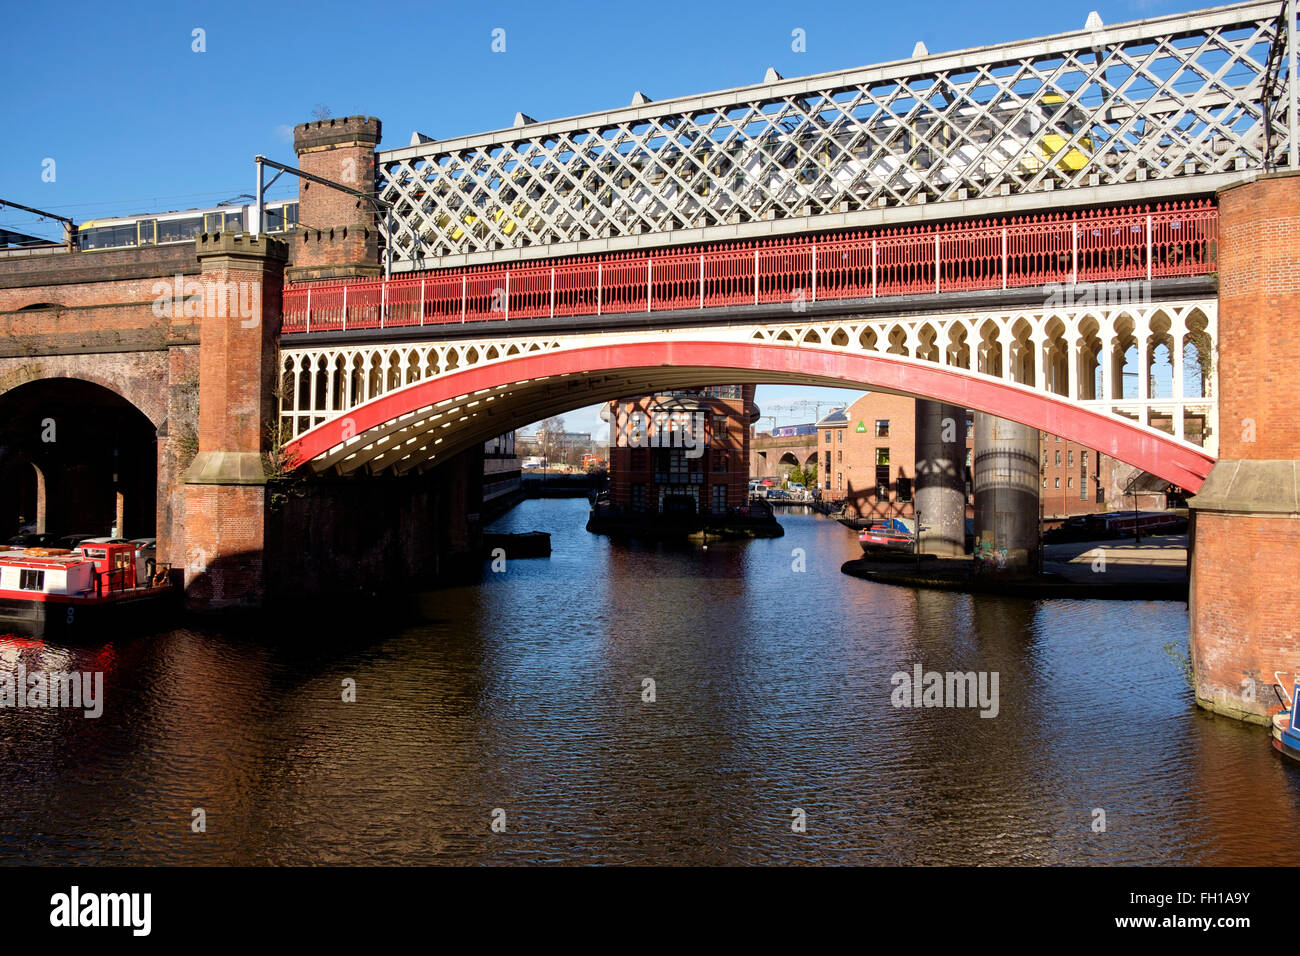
x,y
1146,448
138,378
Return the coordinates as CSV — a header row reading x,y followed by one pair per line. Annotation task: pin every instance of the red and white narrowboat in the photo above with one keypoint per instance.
x,y
98,587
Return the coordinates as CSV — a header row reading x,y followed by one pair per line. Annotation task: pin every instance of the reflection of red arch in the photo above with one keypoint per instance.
x,y
1153,452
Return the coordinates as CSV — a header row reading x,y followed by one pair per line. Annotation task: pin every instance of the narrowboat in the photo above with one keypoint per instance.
x,y
892,534
1286,738
94,588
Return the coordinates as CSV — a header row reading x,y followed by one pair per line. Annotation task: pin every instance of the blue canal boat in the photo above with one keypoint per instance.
x,y
1286,738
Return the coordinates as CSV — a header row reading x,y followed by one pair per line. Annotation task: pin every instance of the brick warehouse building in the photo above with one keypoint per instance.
x,y
866,457
653,470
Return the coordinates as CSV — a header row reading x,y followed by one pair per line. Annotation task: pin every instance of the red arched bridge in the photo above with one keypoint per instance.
x,y
1033,319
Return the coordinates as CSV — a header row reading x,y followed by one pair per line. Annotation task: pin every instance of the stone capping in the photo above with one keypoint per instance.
x,y
1256,177
226,468
241,245
1246,487
99,265
349,271
341,131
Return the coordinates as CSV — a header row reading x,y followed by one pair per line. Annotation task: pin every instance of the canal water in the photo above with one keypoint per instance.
x,y
524,700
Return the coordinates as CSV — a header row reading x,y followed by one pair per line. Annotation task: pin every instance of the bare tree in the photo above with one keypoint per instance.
x,y
550,439
321,112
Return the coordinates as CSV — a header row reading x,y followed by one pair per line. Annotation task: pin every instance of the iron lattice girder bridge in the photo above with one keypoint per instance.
x,y
1155,108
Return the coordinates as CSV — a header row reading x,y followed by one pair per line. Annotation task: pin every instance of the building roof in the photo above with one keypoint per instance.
x,y
836,417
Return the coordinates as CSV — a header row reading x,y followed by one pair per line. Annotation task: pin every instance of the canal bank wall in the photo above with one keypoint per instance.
x,y
1154,570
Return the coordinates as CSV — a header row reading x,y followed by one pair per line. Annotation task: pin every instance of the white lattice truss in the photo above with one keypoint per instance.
x,y
1113,360
1165,106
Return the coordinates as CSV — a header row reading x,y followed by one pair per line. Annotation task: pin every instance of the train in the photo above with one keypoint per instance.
x,y
790,431
159,229
789,163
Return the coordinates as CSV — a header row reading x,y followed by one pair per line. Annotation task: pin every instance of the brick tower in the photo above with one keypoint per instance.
x,y
337,234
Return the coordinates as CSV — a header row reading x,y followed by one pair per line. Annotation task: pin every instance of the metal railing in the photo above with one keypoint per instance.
x,y
1124,244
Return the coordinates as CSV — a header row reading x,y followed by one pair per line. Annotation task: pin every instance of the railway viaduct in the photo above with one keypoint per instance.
x,y
313,428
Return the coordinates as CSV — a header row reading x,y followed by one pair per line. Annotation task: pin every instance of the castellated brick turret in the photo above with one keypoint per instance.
x,y
337,233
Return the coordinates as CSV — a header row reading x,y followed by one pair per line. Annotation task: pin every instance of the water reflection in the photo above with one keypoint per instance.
x,y
527,692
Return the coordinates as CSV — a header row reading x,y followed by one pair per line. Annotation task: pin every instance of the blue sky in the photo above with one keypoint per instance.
x,y
136,121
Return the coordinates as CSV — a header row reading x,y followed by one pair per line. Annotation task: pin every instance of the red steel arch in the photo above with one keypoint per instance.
x,y
1151,451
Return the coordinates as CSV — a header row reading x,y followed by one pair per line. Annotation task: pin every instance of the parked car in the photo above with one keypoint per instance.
x,y
70,541
33,540
777,494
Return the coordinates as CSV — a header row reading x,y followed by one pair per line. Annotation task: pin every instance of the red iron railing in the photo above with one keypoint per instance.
x,y
1127,244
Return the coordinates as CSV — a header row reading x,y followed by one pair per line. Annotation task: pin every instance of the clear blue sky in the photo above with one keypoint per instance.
x,y
136,121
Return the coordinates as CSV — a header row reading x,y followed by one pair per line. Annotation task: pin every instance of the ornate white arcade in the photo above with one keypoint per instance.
x,y
1152,365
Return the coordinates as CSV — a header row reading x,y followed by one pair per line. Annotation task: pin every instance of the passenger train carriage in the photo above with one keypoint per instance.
x,y
160,229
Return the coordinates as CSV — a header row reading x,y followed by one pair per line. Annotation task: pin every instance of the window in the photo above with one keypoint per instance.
x,y
179,230
1083,482
638,498
882,428
31,580
1070,458
839,480
839,456
967,457
1044,482
882,456
1083,459
674,468
719,498
1044,457
1058,481
720,462
1058,457
828,436
904,488
882,472
841,436
1069,483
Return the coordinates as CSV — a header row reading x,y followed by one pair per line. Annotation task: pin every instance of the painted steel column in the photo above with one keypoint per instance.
x,y
939,494
1293,87
1073,350
1006,480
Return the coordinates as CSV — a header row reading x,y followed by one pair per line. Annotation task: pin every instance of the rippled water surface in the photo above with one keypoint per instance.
x,y
772,692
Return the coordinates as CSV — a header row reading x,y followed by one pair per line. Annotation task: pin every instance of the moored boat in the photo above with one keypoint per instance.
x,y
96,587
1286,738
891,534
